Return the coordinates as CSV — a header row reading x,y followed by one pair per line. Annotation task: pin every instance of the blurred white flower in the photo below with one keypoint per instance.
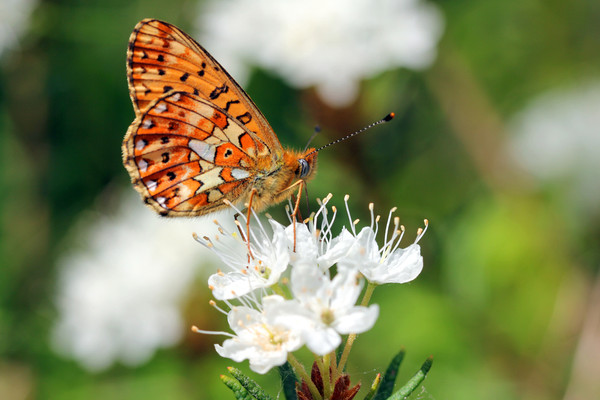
x,y
259,339
556,138
332,44
119,291
14,15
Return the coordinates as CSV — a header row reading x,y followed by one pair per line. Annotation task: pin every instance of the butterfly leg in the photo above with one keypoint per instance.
x,y
252,193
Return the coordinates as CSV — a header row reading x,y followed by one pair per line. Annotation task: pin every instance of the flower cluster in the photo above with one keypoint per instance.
x,y
288,293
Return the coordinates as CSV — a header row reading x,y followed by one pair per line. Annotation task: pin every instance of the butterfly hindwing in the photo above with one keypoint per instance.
x,y
186,155
161,58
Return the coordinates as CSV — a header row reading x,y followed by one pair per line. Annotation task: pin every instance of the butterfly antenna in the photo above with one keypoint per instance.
x,y
317,130
385,119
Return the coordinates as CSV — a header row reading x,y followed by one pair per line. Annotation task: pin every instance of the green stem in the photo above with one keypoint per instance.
x,y
352,336
305,377
324,366
335,374
368,293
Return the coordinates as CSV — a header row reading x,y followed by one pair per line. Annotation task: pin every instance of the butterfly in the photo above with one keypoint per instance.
x,y
198,141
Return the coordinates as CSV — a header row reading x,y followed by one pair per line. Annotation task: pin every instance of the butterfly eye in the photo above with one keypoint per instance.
x,y
303,169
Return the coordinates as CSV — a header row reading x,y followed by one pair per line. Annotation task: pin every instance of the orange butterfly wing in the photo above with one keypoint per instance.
x,y
162,58
185,156
197,138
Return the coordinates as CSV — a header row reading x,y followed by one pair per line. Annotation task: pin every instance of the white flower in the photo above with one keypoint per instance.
x,y
556,138
324,308
264,343
321,308
388,264
269,259
332,44
14,19
314,242
121,283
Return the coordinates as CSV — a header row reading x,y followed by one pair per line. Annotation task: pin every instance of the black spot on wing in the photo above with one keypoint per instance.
x,y
229,103
219,90
244,118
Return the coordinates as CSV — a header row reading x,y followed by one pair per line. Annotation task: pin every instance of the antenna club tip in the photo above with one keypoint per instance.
x,y
389,117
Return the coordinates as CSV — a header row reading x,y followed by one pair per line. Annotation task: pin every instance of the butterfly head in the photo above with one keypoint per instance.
x,y
307,164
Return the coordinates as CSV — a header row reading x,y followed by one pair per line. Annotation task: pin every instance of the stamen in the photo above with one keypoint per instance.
x,y
241,230
401,233
213,304
387,225
346,197
421,231
196,330
371,208
287,212
376,230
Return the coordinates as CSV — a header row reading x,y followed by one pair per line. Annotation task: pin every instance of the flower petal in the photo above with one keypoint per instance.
x,y
402,266
323,341
357,320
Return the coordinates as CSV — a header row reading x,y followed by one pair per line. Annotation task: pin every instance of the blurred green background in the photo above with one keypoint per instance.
x,y
509,300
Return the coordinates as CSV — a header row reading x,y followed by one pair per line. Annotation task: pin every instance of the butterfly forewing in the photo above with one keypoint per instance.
x,y
161,58
186,155
197,138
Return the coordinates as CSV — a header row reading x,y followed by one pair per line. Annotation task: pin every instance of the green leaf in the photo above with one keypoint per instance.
x,y
252,387
414,382
238,390
387,384
288,381
374,387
